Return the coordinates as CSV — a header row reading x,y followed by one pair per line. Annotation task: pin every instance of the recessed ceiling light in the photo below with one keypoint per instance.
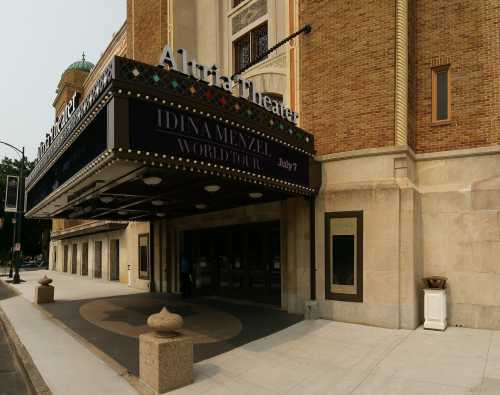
x,y
153,180
161,215
255,195
122,212
157,202
201,206
106,199
212,188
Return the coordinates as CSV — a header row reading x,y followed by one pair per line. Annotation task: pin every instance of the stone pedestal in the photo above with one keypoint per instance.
x,y
312,310
165,363
44,294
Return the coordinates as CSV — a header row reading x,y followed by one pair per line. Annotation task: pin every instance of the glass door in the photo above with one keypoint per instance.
x,y
114,260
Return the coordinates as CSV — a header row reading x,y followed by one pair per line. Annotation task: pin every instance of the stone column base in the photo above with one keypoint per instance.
x,y
44,294
165,363
312,310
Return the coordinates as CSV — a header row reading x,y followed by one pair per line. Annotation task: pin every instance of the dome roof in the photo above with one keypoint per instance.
x,y
82,64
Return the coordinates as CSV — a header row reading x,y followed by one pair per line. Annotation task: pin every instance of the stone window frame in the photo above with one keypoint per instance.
x,y
434,91
346,297
249,35
231,37
142,274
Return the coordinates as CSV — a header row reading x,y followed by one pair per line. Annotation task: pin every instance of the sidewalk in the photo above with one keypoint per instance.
x,y
310,357
66,365
13,380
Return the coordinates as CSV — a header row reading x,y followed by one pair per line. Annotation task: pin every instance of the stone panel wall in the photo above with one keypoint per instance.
x,y
347,73
461,234
464,34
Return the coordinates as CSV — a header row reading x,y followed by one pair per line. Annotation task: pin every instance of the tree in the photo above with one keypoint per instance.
x,y
33,230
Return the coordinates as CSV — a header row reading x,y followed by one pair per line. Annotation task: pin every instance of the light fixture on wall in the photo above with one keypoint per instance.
x,y
151,181
106,199
201,206
255,195
212,188
157,202
160,215
122,212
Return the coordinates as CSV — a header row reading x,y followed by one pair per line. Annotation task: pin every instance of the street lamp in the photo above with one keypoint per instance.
x,y
19,215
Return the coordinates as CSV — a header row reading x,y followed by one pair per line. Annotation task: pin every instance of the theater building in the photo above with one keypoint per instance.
x,y
334,173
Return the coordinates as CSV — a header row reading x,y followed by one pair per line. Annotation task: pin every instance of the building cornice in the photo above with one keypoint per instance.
x,y
392,150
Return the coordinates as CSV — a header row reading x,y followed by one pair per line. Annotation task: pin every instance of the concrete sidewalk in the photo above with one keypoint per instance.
x,y
66,365
324,357
311,357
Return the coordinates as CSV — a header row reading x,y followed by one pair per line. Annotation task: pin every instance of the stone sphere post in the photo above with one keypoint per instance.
x,y
165,356
44,293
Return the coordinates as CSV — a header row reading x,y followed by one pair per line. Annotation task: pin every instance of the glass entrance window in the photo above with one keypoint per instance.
x,y
98,259
73,258
114,260
240,261
144,256
65,259
85,259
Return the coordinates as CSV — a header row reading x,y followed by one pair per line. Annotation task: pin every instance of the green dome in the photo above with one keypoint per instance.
x,y
82,64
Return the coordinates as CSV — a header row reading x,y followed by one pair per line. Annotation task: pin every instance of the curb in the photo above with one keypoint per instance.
x,y
34,378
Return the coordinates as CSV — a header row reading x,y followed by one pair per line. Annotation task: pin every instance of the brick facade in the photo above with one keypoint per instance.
x,y
347,73
147,29
465,34
348,68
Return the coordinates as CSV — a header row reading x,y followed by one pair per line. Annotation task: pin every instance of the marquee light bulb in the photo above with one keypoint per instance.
x,y
151,181
106,199
255,195
212,188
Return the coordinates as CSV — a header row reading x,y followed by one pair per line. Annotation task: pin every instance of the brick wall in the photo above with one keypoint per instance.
x,y
147,29
347,73
464,33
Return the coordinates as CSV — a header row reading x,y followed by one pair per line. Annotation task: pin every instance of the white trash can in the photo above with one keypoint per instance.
x,y
435,310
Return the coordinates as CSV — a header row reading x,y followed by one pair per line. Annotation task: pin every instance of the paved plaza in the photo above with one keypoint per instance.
x,y
307,357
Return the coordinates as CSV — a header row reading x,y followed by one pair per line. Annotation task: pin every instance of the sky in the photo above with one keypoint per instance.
x,y
39,39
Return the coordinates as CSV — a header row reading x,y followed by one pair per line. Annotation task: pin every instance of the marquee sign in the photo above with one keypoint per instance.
x,y
159,117
211,75
174,132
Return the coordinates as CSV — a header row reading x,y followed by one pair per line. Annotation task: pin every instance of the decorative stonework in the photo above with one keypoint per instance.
x,y
249,15
165,323
45,281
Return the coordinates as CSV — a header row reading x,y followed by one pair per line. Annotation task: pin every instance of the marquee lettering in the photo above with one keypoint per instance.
x,y
211,75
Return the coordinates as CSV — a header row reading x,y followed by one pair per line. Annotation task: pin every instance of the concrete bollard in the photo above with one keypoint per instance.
x,y
165,356
44,293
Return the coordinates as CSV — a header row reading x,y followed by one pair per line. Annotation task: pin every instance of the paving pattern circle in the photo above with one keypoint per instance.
x,y
127,317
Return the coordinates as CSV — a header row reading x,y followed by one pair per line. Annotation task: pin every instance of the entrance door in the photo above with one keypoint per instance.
x,y
65,259
73,258
85,259
98,259
114,260
241,261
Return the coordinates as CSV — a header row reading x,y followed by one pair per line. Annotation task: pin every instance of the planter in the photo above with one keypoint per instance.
x,y
435,309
